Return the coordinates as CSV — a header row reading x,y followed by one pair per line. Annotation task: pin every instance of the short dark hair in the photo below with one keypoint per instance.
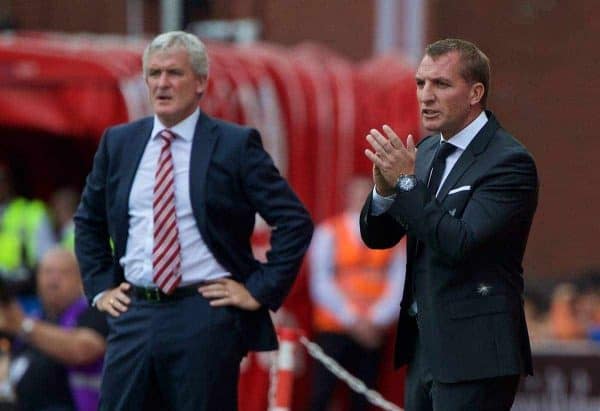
x,y
475,64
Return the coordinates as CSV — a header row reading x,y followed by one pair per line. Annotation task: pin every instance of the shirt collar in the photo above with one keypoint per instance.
x,y
184,129
467,134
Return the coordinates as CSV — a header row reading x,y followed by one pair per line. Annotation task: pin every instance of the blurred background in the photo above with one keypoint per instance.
x,y
314,76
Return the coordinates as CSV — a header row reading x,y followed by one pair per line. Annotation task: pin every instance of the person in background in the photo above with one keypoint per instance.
x,y
356,293
25,232
575,308
536,305
587,305
59,366
63,205
465,200
178,195
563,320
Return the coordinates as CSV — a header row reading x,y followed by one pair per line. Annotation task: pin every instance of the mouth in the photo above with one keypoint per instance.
x,y
163,98
429,114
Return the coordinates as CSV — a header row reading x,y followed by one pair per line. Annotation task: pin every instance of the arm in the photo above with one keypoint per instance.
x,y
91,229
292,227
503,201
76,346
379,231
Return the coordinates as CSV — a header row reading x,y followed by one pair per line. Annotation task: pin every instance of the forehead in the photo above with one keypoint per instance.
x,y
175,56
57,263
444,66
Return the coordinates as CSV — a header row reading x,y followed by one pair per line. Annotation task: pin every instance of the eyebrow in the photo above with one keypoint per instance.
x,y
434,79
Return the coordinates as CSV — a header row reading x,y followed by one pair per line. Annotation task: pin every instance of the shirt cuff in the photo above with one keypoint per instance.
x,y
381,204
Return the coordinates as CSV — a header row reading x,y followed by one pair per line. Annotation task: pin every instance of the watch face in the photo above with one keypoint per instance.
x,y
406,183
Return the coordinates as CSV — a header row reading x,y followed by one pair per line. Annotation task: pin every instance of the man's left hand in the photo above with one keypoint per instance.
x,y
225,291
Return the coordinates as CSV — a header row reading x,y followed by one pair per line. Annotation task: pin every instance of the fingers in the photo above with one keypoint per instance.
x,y
218,292
410,143
115,301
385,144
377,161
215,290
393,137
380,144
106,304
227,292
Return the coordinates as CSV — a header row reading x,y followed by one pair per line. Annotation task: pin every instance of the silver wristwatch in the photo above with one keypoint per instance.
x,y
406,182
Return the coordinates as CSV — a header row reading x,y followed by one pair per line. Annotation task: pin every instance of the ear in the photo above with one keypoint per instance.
x,y
477,92
201,83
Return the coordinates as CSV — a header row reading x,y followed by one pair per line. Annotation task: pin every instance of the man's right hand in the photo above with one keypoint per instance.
x,y
116,300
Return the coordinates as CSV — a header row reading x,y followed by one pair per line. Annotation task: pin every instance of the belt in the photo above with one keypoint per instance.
x,y
157,296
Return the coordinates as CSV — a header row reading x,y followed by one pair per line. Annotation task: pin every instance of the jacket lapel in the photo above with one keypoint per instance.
x,y
131,155
205,138
469,156
424,160
426,152
464,162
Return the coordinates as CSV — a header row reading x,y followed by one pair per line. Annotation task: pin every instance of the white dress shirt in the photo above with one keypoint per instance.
x,y
460,140
197,262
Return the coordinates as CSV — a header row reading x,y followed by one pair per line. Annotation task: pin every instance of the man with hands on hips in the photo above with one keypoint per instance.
x,y
177,193
222,292
465,200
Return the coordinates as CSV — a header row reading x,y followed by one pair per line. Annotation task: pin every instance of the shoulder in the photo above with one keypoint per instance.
x,y
230,138
131,127
231,131
508,146
117,137
428,141
507,156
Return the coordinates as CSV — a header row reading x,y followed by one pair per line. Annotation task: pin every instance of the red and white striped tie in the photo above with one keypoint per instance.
x,y
166,254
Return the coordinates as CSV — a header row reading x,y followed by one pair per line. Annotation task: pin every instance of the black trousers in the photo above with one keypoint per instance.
x,y
423,393
179,355
359,361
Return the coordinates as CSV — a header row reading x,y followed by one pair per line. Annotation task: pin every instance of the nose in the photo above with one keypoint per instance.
x,y
163,80
426,94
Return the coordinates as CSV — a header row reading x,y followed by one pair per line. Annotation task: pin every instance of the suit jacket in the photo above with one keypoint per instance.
x,y
231,179
464,255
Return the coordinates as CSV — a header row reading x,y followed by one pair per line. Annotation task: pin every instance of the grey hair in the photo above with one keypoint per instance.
x,y
179,39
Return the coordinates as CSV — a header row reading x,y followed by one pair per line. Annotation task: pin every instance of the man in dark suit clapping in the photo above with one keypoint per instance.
x,y
177,194
465,199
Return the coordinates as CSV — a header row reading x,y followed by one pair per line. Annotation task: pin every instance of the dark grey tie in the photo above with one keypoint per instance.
x,y
438,166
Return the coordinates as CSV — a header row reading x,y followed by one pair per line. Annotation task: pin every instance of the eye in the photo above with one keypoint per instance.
x,y
420,83
442,84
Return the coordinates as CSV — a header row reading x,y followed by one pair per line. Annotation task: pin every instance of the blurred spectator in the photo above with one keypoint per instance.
x,y
25,233
564,324
587,304
63,206
356,293
59,366
536,315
